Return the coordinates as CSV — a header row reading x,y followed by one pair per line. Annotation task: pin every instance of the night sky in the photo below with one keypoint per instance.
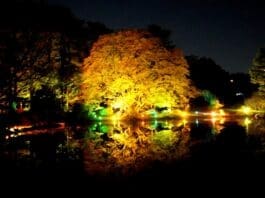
x,y
229,32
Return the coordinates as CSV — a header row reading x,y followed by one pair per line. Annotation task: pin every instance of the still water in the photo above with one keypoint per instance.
x,y
104,148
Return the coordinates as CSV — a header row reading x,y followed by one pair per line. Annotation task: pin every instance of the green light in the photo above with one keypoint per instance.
x,y
104,129
103,112
14,105
154,124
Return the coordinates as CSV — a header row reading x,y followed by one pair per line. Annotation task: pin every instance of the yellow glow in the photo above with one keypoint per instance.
x,y
117,104
247,121
222,120
115,119
218,105
222,112
213,114
213,120
184,121
246,110
183,114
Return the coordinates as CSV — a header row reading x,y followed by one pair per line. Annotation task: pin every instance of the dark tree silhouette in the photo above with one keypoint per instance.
x,y
163,34
241,87
45,105
207,75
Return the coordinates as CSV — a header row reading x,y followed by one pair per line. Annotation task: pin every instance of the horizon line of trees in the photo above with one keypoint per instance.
x,y
42,49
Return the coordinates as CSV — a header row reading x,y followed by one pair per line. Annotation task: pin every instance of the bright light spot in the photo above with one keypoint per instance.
x,y
222,120
117,105
213,120
217,104
12,135
247,121
213,114
7,137
246,110
183,114
221,112
239,94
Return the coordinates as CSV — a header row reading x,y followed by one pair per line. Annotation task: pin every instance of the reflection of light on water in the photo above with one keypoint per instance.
x,y
197,122
222,120
129,149
217,124
247,122
213,120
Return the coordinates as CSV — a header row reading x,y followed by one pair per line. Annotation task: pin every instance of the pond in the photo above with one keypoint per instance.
x,y
172,148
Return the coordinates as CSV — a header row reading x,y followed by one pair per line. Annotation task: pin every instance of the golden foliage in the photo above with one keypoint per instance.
x,y
131,68
130,149
256,102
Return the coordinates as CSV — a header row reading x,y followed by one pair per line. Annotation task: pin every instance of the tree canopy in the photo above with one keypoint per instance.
x,y
257,74
131,71
257,70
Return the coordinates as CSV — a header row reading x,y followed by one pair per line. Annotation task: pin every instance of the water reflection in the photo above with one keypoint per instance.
x,y
128,148
104,148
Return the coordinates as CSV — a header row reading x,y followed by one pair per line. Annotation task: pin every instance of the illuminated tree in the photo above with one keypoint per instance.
x,y
131,71
257,74
257,70
43,45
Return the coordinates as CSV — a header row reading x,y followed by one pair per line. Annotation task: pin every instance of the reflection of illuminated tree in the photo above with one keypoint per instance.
x,y
255,127
130,149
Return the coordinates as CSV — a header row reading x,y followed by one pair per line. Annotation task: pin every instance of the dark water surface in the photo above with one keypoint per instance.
x,y
179,155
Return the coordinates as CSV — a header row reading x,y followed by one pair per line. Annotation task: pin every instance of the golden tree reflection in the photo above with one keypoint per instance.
x,y
127,149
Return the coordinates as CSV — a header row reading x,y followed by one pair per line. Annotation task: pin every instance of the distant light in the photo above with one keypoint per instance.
x,y
239,94
231,80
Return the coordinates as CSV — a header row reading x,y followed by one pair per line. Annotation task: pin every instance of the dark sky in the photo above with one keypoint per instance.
x,y
229,32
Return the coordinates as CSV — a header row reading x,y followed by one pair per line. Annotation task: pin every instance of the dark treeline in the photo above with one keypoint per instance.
x,y
42,47
230,89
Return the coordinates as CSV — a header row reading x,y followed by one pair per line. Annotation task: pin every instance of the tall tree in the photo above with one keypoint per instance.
x,y
132,71
257,74
44,45
257,70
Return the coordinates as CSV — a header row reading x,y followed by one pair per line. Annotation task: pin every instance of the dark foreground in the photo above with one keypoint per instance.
x,y
231,163
209,172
